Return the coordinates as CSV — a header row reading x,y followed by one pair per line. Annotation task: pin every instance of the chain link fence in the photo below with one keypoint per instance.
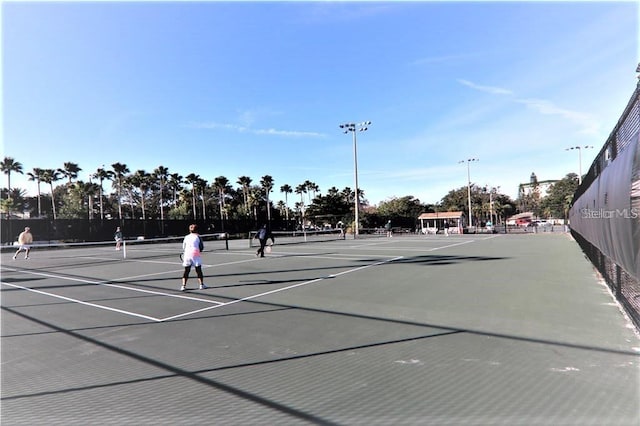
x,y
616,261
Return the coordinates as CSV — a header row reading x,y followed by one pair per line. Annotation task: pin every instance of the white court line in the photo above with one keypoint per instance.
x,y
209,301
451,245
406,239
341,256
94,305
176,271
284,288
377,244
215,303
463,242
108,284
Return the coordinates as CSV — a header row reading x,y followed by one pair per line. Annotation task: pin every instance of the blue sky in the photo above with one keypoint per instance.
x,y
256,88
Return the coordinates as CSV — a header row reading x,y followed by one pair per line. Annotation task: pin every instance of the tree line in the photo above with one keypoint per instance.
x,y
161,194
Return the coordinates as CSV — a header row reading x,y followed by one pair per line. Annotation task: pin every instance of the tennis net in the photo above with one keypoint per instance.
x,y
130,248
169,246
299,237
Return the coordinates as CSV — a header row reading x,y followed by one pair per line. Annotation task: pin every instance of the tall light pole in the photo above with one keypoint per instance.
x,y
353,128
492,190
469,185
579,148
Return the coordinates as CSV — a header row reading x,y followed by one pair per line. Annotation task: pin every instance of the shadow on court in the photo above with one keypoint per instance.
x,y
434,259
424,333
170,371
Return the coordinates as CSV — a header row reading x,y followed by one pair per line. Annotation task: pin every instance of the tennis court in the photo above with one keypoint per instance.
x,y
410,330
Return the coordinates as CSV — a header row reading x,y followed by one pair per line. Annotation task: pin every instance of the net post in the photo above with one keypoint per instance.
x,y
124,248
226,240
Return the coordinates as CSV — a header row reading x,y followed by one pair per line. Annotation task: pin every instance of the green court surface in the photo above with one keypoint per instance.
x,y
410,330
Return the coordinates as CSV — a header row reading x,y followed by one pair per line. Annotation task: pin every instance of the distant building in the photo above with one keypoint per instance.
x,y
431,222
542,187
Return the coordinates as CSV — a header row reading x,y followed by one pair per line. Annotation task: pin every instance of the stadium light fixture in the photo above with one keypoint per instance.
x,y
353,128
579,148
468,161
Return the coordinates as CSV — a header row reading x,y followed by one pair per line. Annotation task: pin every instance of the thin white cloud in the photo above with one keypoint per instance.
x,y
585,121
293,133
244,129
247,117
587,124
488,89
214,125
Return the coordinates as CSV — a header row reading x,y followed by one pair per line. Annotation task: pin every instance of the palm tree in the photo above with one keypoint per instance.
x,y
301,189
286,189
142,181
245,182
90,189
221,184
102,174
50,176
36,174
192,179
161,175
255,193
70,171
175,184
299,206
201,184
308,186
77,192
127,188
314,188
7,166
347,194
267,186
119,172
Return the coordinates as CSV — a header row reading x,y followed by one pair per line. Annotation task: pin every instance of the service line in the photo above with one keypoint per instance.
x,y
255,296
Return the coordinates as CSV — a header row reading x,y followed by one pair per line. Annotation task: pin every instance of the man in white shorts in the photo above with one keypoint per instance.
x,y
192,246
25,239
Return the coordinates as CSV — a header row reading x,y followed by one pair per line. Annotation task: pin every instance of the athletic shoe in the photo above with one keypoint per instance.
x,y
183,288
14,258
26,258
202,287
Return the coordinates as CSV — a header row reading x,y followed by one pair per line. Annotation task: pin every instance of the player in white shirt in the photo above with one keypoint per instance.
x,y
192,246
